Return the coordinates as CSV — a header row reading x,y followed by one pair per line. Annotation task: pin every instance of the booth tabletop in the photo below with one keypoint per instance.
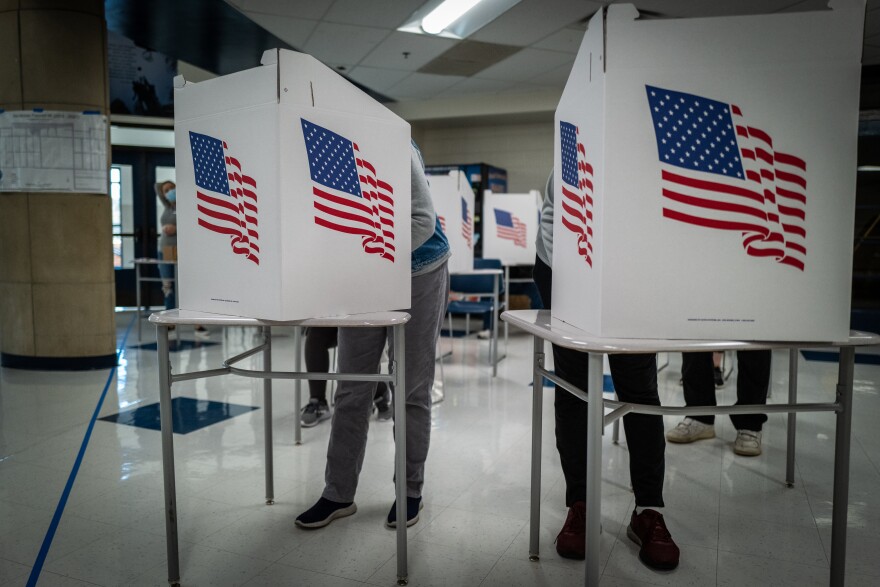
x,y
539,323
372,319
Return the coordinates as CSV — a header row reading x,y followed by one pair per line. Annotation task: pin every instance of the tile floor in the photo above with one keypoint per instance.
x,y
735,521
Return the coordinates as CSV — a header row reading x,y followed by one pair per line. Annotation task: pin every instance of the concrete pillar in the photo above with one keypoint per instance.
x,y
56,264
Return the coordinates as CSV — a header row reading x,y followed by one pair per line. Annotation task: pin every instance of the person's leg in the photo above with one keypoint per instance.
x,y
570,412
752,385
698,381
166,272
359,352
430,295
635,381
319,341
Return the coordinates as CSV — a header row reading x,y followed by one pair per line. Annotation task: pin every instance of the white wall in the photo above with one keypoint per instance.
x,y
525,150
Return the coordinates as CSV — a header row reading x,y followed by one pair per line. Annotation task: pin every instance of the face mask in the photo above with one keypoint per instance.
x,y
171,196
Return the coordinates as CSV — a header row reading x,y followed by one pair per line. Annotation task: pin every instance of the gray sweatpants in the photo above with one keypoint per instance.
x,y
360,351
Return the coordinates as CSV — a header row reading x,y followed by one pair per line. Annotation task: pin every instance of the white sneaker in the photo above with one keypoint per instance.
x,y
747,443
202,333
689,430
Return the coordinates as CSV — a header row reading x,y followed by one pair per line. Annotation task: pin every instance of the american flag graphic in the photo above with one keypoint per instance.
x,y
227,198
577,189
718,172
467,224
349,196
510,227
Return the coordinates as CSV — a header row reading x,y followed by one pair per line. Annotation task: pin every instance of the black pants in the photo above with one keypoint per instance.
x,y
319,341
635,380
752,384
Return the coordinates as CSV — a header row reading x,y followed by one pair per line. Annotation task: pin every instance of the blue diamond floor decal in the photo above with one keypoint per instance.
x,y
187,414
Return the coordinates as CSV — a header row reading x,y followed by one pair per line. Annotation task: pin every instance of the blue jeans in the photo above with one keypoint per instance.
x,y
166,272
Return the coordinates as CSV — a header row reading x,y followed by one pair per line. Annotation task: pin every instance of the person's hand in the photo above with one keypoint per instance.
x,y
169,229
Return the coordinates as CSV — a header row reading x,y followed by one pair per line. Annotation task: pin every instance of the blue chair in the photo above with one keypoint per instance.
x,y
485,284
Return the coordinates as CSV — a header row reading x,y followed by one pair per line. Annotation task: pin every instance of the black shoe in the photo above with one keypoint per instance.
x,y
383,411
314,413
324,512
413,507
719,378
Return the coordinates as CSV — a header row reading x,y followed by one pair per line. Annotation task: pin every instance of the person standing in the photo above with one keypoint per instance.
x,y
635,380
360,350
166,191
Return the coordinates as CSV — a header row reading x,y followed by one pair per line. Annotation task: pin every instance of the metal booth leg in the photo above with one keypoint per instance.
x,y
165,420
297,386
595,422
267,416
840,501
137,281
537,426
792,416
397,367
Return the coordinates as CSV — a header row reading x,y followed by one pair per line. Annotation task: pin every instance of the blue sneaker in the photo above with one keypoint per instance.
x,y
324,512
413,507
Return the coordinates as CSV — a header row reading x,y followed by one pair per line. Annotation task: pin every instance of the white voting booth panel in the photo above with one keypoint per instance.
x,y
709,193
293,194
510,226
453,200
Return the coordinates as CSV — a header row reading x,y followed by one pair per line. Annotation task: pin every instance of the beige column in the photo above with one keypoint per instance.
x,y
56,263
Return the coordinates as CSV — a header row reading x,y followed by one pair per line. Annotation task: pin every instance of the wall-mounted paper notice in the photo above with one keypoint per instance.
x,y
53,151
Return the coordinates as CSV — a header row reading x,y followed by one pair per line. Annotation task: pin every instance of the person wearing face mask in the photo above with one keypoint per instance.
x,y
166,191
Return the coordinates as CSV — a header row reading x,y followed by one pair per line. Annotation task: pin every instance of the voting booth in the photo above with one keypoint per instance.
x,y
454,203
705,176
510,226
293,194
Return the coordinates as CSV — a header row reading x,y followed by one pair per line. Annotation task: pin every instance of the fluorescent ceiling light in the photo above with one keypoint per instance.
x,y
455,19
445,14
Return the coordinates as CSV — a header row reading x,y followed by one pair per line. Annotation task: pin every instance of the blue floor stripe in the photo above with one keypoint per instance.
x,y
831,356
59,510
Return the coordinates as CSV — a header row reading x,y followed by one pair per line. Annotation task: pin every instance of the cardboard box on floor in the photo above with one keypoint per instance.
x,y
705,176
454,203
293,194
510,226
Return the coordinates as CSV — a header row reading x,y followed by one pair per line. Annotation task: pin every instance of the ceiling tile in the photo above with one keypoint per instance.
x,y
567,39
343,44
527,64
293,30
532,20
421,85
421,49
308,9
388,14
555,77
477,86
375,78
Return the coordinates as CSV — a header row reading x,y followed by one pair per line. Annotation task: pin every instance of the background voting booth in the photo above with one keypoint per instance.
x,y
704,195
454,203
294,193
709,193
510,226
293,209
